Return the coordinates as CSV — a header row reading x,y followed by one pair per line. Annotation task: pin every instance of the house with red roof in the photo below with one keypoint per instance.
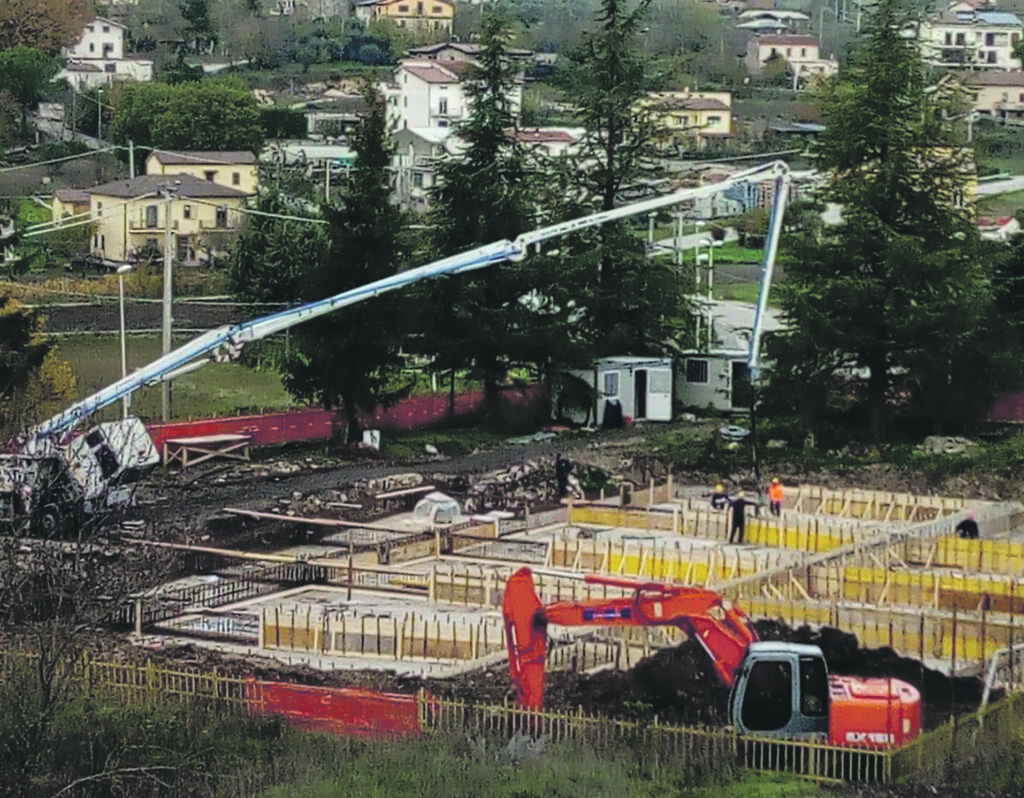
x,y
431,94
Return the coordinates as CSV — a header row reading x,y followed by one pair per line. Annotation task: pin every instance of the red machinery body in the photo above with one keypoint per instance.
x,y
778,689
873,713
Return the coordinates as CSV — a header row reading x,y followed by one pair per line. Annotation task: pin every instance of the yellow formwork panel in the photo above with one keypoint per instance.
x,y
994,556
932,588
619,517
763,533
809,536
943,636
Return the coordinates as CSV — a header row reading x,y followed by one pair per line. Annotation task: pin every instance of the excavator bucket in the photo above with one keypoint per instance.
x,y
526,634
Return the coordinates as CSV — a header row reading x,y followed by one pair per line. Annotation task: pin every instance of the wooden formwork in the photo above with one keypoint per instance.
x,y
939,589
413,636
808,533
958,640
872,505
671,561
970,556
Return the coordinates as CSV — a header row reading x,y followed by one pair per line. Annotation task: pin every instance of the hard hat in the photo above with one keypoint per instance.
x,y
719,487
775,481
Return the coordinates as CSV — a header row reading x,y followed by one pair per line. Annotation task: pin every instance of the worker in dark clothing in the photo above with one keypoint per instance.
x,y
563,468
968,528
737,522
719,498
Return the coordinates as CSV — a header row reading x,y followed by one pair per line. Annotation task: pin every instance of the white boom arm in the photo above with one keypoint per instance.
x,y
224,343
771,247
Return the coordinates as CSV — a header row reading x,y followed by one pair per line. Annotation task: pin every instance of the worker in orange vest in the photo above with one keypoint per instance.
x,y
775,497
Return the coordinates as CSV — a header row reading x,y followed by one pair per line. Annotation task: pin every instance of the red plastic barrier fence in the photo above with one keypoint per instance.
x,y
314,425
350,711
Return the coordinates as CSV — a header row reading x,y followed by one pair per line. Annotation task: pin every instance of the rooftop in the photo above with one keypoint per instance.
x,y
994,78
185,186
550,135
691,104
186,157
467,48
72,195
800,41
431,72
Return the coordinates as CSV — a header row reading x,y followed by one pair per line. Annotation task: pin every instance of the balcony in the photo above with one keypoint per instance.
x,y
141,226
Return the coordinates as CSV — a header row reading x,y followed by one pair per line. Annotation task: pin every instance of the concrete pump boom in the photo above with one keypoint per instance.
x,y
226,342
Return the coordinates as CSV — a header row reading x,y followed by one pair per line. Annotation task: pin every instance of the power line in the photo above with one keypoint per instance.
x,y
60,224
263,213
88,154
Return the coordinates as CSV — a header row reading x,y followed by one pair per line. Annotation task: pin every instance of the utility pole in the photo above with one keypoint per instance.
x,y
131,159
99,113
165,395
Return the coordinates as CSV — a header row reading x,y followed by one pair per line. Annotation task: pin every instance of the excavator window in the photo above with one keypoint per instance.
x,y
768,699
814,690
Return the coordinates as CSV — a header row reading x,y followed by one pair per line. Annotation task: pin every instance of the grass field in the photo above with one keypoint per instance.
x,y
997,205
739,292
217,389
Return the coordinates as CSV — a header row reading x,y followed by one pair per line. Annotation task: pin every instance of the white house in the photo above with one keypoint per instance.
x,y
98,57
980,39
551,142
430,94
417,151
801,53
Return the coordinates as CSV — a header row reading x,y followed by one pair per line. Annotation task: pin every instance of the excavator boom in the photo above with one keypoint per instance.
x,y
724,632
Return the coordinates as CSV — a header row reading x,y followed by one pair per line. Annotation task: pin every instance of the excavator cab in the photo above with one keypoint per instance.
x,y
781,690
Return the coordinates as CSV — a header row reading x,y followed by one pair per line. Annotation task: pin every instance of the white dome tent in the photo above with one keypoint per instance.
x,y
437,508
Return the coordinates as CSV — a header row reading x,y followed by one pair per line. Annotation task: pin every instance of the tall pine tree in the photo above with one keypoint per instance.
x,y
483,195
896,294
635,304
347,359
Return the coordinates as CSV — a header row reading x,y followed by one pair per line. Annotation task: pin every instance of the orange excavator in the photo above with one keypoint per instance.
x,y
777,689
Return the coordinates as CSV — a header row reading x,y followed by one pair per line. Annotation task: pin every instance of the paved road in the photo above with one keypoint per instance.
x,y
1011,184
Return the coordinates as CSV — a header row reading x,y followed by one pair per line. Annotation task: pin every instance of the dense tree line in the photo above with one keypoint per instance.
x,y
896,312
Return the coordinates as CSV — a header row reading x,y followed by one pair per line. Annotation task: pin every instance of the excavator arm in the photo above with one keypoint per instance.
x,y
724,632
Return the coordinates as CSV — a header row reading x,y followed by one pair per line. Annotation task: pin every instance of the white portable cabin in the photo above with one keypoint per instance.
x,y
642,385
716,378
717,375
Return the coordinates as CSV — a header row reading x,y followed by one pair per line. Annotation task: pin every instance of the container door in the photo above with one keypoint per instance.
x,y
640,393
742,396
659,394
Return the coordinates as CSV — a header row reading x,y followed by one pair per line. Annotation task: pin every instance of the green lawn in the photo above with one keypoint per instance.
x,y
733,252
1001,204
739,292
218,389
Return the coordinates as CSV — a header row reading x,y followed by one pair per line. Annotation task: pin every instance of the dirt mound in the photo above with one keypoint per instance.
x,y
941,695
678,685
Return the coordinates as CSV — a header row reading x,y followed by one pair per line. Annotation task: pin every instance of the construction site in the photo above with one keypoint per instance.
x,y
394,585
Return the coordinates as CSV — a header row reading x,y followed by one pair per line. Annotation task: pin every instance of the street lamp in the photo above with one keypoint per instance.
x,y
121,272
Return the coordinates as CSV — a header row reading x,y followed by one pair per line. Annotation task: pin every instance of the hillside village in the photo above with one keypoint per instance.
x,y
425,91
